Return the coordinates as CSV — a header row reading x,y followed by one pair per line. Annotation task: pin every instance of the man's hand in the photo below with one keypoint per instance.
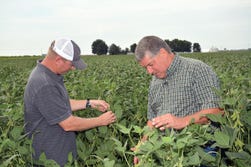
x,y
169,121
107,118
135,159
143,139
100,105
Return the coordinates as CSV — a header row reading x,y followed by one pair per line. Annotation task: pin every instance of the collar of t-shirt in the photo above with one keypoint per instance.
x,y
56,77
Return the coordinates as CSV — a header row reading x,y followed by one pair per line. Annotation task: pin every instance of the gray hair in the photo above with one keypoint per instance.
x,y
152,45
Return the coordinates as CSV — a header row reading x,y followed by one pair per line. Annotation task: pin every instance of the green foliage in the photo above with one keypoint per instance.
x,y
179,45
133,47
99,47
114,49
196,47
124,84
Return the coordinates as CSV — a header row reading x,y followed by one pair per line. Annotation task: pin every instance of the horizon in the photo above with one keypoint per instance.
x,y
212,51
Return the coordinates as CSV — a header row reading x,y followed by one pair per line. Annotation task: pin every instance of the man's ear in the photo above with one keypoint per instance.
x,y
162,51
58,60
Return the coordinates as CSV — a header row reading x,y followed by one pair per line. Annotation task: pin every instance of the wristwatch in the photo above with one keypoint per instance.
x,y
88,104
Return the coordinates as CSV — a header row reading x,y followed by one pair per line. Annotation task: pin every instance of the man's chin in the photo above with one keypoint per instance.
x,y
160,76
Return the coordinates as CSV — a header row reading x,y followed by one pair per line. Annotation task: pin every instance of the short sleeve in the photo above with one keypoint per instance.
x,y
205,86
52,104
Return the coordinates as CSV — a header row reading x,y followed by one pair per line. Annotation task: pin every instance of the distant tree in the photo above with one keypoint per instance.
x,y
174,45
99,47
186,46
196,47
125,51
114,49
180,45
133,47
168,42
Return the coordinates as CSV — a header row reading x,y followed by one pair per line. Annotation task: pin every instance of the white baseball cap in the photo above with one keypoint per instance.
x,y
69,50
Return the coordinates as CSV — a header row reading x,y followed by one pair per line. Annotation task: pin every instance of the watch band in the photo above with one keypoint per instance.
x,y
88,104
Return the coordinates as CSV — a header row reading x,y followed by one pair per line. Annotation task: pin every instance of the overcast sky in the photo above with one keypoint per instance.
x,y
27,27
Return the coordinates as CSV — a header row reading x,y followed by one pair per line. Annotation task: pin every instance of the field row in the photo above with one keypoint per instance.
x,y
124,84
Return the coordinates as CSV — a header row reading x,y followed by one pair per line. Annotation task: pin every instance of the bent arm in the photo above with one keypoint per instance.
x,y
74,123
100,105
200,116
171,121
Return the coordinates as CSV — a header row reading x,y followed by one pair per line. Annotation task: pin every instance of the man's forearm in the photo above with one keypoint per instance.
x,y
74,123
77,104
170,121
200,116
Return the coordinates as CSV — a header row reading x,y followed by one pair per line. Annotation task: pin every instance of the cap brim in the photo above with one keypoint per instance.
x,y
80,65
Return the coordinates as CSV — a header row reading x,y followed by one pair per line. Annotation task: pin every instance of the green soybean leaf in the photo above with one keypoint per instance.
x,y
193,160
137,129
222,140
238,155
16,132
123,129
216,118
108,163
205,156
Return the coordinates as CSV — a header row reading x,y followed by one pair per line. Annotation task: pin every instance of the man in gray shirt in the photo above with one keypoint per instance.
x,y
182,90
48,110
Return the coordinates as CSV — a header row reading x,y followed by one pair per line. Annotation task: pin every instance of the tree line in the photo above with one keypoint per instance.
x,y
99,47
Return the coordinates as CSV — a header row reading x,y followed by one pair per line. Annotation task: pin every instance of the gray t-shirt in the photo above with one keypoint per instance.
x,y
46,103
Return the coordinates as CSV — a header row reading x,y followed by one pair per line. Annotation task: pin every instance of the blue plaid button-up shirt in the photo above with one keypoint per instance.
x,y
188,88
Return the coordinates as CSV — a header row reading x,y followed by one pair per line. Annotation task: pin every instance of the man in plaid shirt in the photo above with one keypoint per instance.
x,y
182,90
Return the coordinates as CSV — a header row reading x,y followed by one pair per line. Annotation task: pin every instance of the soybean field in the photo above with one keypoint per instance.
x,y
121,82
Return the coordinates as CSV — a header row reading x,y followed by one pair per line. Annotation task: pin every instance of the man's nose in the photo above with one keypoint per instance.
x,y
149,70
73,68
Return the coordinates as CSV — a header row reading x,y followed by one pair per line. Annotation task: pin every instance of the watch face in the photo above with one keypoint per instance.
x,y
88,104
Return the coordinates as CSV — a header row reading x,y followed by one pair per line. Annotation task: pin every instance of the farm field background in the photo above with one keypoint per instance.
x,y
124,84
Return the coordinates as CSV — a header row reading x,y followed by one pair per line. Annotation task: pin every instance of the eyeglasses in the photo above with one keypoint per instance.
x,y
67,61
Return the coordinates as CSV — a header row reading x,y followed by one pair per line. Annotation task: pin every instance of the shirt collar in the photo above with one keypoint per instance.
x,y
173,66
170,70
49,72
